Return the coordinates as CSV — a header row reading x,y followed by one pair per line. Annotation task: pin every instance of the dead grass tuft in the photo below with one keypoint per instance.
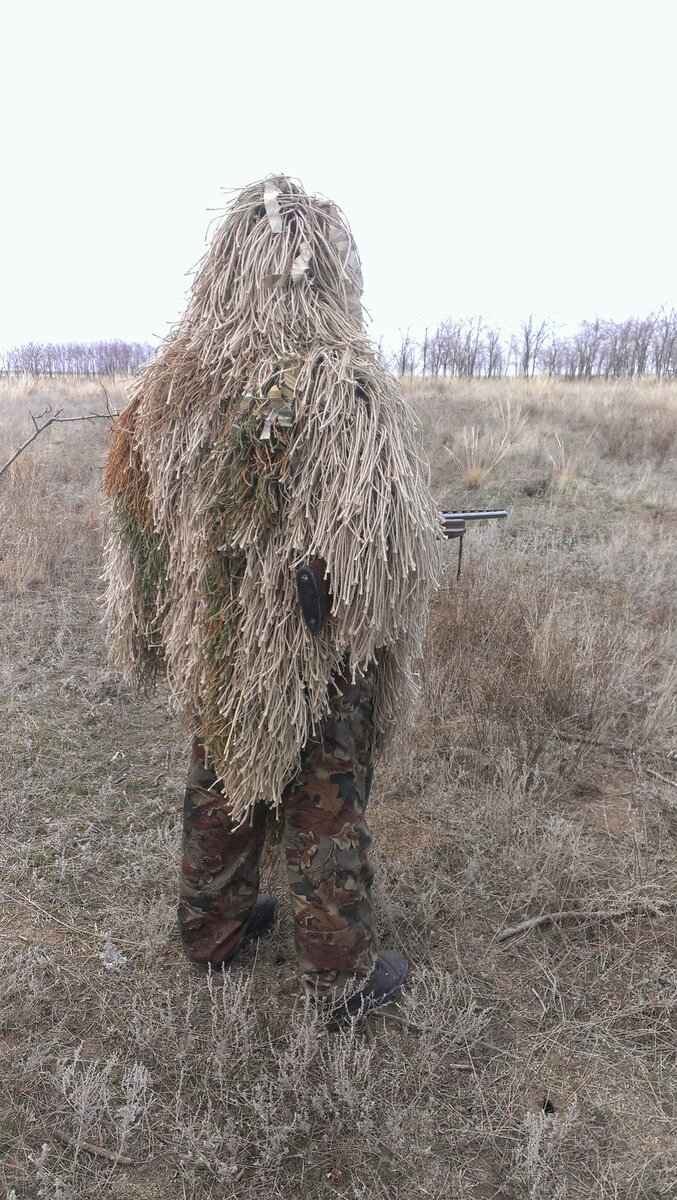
x,y
477,454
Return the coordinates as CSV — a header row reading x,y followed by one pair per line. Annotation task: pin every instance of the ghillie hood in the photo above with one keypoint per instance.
x,y
266,434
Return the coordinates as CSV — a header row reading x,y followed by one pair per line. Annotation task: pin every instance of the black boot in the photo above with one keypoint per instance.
x,y
261,917
260,920
380,988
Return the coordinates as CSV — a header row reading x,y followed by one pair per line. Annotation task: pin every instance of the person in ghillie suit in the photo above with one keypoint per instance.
x,y
272,548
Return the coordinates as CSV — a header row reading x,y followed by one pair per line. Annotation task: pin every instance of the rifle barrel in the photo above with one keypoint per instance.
x,y
490,514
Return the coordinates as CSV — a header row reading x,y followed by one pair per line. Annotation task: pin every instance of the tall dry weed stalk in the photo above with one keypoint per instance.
x,y
522,663
477,452
564,476
14,389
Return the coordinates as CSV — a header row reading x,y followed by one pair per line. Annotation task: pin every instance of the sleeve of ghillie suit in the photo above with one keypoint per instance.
x,y
135,561
376,527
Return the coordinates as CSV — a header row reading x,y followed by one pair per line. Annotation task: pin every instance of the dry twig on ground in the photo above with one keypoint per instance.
x,y
110,1155
654,908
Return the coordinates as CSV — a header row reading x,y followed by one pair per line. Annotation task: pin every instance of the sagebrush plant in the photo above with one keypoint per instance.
x,y
539,776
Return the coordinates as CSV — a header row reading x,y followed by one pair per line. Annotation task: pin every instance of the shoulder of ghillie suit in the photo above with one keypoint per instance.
x,y
267,434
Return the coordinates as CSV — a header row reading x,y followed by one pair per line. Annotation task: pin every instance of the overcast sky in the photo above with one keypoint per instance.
x,y
494,156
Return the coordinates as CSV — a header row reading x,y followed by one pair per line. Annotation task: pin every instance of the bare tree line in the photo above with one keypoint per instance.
x,y
77,358
469,347
465,347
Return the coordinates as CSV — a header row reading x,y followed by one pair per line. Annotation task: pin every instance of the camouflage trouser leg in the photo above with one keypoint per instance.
x,y
326,848
327,842
219,868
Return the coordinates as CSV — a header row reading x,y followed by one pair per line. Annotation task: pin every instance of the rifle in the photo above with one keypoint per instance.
x,y
454,525
313,588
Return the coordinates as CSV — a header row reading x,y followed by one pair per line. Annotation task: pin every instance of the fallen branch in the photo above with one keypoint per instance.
x,y
663,778
65,925
120,1159
629,751
55,419
653,908
50,916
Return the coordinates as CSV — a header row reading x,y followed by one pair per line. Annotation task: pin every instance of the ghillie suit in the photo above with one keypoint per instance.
x,y
264,435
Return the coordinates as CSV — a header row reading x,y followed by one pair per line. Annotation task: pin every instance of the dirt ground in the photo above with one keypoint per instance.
x,y
540,778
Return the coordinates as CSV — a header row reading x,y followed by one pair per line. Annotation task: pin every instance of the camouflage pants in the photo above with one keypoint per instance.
x,y
326,846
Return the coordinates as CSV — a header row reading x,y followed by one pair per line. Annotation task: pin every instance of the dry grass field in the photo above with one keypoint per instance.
x,y
540,777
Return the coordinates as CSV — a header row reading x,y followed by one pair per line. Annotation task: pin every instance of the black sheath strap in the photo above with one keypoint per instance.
x,y
311,598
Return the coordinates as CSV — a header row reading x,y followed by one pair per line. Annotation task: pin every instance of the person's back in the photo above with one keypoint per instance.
x,y
273,546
